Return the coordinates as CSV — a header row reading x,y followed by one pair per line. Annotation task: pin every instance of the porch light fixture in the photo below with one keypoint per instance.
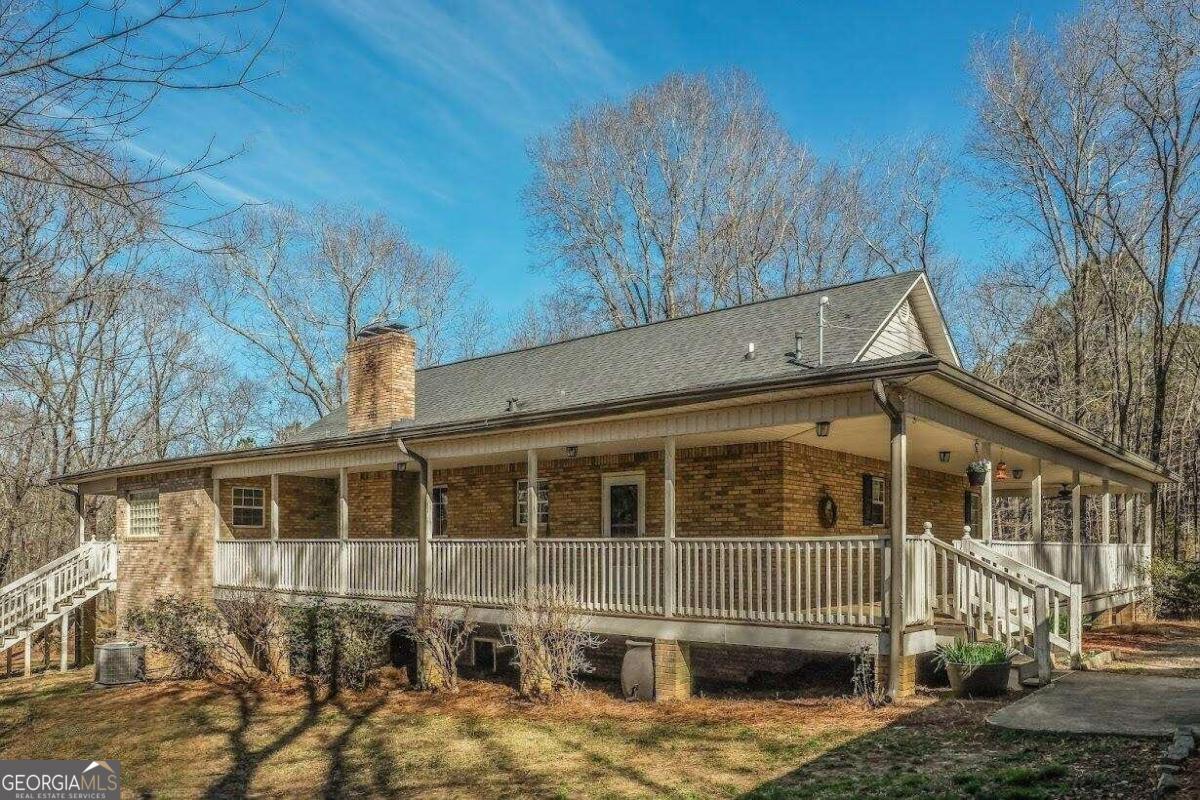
x,y
944,456
1001,473
1017,473
572,451
823,428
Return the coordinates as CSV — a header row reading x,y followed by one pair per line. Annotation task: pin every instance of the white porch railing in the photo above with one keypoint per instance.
x,y
790,581
1103,568
605,575
37,594
477,571
1064,598
812,580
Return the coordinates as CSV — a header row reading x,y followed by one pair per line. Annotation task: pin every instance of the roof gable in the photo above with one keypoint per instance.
x,y
915,324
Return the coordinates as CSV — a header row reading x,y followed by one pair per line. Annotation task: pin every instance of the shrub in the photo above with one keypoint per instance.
x,y
255,626
547,632
188,632
340,644
1175,587
864,682
440,639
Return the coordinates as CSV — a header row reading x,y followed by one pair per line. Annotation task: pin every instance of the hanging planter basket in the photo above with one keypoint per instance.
x,y
976,472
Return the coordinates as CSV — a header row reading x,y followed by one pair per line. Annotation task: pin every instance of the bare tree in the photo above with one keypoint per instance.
x,y
76,79
690,195
294,288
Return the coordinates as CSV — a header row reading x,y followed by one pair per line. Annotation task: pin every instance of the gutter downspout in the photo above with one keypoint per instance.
x,y
424,523
892,404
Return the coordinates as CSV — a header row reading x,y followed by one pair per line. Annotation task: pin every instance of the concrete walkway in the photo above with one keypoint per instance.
x,y
1100,702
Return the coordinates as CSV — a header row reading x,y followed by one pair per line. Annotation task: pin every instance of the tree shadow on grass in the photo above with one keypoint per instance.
x,y
948,750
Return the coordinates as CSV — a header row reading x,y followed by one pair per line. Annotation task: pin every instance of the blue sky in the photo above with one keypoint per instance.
x,y
422,109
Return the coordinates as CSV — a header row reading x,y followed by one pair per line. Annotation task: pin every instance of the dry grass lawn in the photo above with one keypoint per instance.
x,y
200,740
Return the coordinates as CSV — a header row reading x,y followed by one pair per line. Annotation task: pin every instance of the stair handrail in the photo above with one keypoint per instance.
x,y
962,564
50,566
1030,574
1072,591
22,601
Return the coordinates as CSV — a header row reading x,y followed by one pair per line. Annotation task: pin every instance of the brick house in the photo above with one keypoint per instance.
x,y
738,486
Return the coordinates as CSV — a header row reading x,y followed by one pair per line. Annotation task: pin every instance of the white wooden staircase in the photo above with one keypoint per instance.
x,y
50,593
991,596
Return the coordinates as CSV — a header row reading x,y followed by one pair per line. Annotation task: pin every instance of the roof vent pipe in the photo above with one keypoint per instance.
x,y
821,331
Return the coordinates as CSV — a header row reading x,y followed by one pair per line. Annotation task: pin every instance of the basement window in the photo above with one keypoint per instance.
x,y
543,503
247,507
873,500
143,514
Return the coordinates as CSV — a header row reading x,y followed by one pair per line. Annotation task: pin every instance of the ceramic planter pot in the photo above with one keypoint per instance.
x,y
979,680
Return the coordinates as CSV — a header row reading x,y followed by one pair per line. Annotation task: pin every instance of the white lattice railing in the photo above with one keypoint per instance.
x,y
36,595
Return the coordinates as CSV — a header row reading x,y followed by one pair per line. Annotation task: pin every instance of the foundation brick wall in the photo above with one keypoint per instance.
x,y
179,560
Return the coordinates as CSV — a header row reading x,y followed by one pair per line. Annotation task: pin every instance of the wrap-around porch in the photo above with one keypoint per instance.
x,y
653,527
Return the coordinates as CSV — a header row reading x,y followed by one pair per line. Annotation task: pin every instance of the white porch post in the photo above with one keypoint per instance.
x,y
80,527
531,521
1105,513
899,528
1127,536
343,521
275,561
425,531
63,634
274,506
1035,502
1076,528
1148,520
986,512
669,527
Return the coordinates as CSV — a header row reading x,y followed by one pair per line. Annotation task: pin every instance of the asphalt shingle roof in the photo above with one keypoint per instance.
x,y
694,352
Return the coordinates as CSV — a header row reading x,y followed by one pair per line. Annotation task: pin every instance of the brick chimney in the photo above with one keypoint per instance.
x,y
381,369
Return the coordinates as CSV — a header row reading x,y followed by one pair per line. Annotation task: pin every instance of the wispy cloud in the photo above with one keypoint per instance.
x,y
513,65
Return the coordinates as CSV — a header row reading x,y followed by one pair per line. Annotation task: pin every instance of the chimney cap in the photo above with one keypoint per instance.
x,y
379,329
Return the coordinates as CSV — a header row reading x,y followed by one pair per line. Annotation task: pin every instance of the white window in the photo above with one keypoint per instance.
x,y
624,504
543,505
143,514
247,507
874,500
440,496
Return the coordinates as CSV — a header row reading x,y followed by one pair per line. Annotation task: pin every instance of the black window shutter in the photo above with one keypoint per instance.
x,y
868,511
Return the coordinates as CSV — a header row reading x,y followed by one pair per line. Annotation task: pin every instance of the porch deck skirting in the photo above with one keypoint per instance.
x,y
821,581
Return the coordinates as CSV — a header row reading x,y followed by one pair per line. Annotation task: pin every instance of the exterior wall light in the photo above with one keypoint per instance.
x,y
823,428
944,456
1017,473
572,451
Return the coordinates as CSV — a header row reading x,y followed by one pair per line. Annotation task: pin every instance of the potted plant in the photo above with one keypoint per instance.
x,y
976,471
976,669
